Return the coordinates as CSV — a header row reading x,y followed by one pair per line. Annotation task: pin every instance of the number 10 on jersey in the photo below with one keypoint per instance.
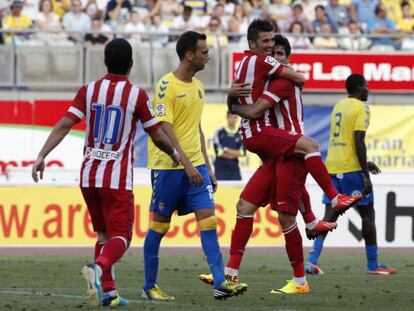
x,y
107,123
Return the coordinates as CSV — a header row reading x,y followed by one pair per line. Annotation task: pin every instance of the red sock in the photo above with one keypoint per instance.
x,y
306,211
317,169
294,250
239,239
108,276
111,253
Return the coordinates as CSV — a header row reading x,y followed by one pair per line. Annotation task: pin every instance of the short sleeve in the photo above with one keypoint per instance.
x,y
278,89
77,109
145,115
164,99
270,66
362,118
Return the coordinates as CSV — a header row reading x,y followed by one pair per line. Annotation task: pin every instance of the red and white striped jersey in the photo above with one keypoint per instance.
x,y
256,70
111,107
288,109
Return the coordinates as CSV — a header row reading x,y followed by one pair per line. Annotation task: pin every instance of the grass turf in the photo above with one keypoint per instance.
x,y
53,282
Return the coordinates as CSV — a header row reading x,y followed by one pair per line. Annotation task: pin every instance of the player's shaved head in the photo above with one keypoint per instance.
x,y
357,86
188,42
257,26
118,56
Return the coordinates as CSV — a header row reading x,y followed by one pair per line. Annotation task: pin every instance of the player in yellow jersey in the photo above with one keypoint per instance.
x,y
349,169
189,187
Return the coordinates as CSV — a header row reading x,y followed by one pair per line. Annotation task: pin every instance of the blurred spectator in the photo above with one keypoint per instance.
x,y
279,11
215,37
363,11
325,40
158,26
117,12
3,6
31,8
257,9
47,20
228,148
381,24
394,8
242,19
309,7
96,37
76,20
337,13
184,22
408,42
219,12
233,28
199,6
353,40
406,22
322,18
228,6
297,40
16,21
298,16
167,9
60,7
93,10
134,25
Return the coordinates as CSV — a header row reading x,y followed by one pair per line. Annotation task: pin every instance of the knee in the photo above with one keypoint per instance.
x,y
208,223
286,220
160,227
245,209
311,145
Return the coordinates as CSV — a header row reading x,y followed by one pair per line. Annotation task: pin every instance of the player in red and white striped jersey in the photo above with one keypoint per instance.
x,y
111,106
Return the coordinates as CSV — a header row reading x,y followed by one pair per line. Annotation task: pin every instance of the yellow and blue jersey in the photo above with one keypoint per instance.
x,y
349,115
180,104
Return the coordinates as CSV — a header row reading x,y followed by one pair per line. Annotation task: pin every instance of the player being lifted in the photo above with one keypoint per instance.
x,y
111,107
188,188
347,163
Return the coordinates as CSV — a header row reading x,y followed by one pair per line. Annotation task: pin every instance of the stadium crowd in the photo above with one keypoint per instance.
x,y
311,24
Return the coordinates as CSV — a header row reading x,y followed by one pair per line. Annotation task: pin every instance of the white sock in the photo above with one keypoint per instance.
x,y
312,224
231,271
299,281
334,201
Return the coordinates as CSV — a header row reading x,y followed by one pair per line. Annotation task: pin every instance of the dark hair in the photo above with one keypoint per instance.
x,y
320,7
405,3
188,42
187,9
296,23
118,56
378,8
353,82
257,26
284,42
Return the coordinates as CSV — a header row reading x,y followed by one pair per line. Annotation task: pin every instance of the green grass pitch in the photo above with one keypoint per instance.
x,y
53,282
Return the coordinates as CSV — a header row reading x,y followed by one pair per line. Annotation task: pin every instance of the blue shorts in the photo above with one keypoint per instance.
x,y
172,191
350,184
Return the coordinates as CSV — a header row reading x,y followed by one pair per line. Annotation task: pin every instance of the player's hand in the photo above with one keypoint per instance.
x,y
240,90
373,168
38,166
367,185
213,180
194,176
176,158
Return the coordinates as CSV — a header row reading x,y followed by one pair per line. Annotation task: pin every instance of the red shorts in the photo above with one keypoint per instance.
x,y
290,194
272,143
259,188
111,210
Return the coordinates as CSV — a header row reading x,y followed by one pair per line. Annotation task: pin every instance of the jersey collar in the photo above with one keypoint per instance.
x,y
112,77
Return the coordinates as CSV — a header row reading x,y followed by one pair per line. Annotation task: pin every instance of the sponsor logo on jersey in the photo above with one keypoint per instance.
x,y
271,61
150,107
160,110
101,154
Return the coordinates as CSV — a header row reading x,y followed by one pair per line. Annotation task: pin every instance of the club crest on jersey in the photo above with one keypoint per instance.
x,y
160,110
271,61
161,206
150,107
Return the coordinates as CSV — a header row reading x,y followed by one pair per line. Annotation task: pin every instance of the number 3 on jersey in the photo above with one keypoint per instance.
x,y
338,117
107,123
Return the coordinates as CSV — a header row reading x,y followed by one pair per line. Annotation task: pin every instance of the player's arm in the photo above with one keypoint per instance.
x,y
252,111
207,159
192,173
59,132
361,151
237,90
160,139
289,74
